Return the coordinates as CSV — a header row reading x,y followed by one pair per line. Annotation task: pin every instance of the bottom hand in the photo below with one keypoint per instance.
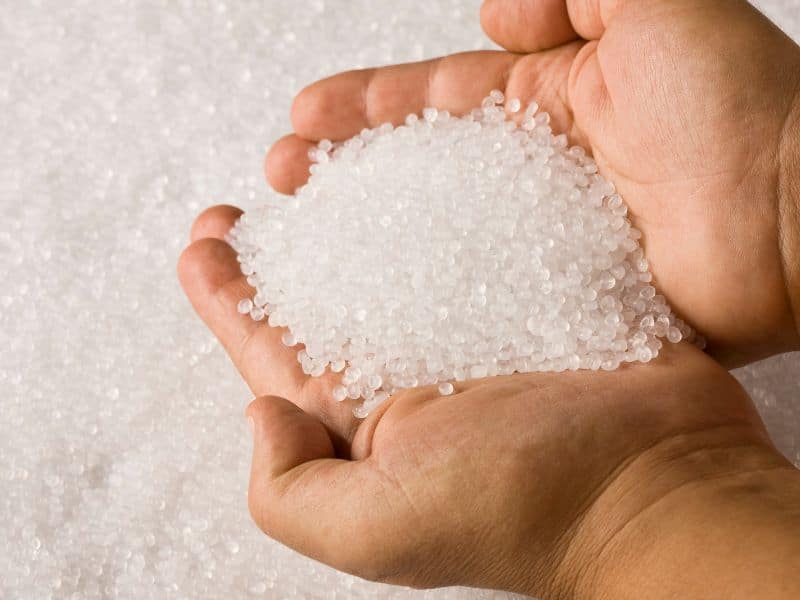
x,y
552,484
634,483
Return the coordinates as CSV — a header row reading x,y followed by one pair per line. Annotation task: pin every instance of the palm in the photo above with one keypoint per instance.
x,y
542,447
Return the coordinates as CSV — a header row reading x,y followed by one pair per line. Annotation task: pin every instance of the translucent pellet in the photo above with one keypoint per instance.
x,y
430,114
339,393
496,96
244,306
531,110
446,388
674,335
393,270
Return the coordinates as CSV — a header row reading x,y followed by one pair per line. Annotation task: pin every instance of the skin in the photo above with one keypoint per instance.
x,y
644,482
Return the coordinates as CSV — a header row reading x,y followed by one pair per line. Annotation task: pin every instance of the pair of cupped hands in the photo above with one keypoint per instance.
x,y
652,481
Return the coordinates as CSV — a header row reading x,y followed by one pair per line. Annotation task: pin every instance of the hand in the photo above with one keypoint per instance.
x,y
690,106
553,485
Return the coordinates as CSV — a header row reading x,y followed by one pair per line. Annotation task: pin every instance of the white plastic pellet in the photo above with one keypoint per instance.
x,y
446,388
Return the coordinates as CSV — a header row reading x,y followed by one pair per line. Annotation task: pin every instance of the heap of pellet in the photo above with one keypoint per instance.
x,y
453,248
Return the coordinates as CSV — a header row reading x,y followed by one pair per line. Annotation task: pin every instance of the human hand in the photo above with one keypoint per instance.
x,y
691,107
549,484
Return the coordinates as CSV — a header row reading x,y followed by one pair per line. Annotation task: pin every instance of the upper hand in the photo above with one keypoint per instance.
x,y
688,106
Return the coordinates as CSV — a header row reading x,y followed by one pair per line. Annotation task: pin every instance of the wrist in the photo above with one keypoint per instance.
x,y
789,207
694,518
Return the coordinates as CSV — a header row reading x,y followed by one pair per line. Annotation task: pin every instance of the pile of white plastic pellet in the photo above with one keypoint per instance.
x,y
453,248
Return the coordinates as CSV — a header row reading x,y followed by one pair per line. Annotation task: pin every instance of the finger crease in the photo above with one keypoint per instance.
x,y
433,69
365,91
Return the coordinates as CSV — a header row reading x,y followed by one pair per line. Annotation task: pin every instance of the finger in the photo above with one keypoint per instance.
x,y
533,25
591,18
211,277
287,164
527,26
285,438
214,222
305,498
340,106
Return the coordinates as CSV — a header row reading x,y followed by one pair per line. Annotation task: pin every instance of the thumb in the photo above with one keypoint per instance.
x,y
284,437
304,497
526,26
